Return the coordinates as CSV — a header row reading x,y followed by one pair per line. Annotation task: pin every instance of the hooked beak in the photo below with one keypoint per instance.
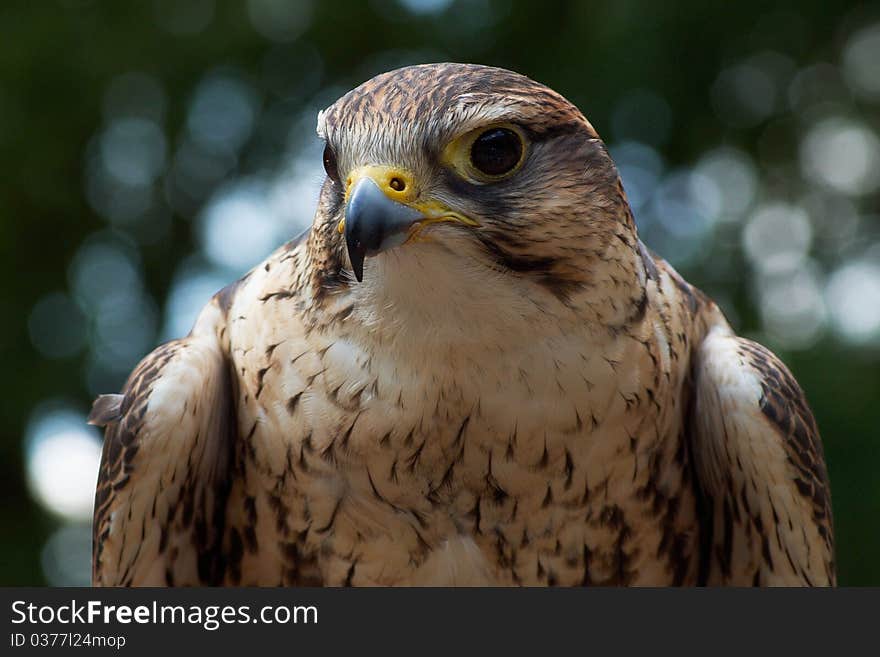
x,y
383,209
374,223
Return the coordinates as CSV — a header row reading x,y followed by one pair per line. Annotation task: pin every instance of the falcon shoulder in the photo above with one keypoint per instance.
x,y
162,485
761,469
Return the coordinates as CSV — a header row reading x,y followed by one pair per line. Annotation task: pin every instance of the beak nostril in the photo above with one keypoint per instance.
x,y
397,184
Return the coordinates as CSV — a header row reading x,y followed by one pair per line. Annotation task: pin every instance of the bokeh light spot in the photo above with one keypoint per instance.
x,y
67,556
193,286
133,150
101,267
238,227
223,112
853,295
57,326
420,7
792,307
62,457
861,62
777,237
280,20
733,175
843,155
640,167
744,95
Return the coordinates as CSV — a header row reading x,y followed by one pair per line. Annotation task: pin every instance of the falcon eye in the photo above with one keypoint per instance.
x,y
330,163
496,152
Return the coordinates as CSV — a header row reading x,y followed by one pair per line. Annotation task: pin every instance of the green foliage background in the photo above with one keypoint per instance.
x,y
57,58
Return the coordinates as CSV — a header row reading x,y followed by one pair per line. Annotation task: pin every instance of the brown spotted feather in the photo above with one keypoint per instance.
x,y
534,401
161,496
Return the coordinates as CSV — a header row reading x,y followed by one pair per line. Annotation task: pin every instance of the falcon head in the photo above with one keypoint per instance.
x,y
476,167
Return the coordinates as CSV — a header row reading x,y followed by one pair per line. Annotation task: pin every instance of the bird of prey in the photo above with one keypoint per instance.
x,y
469,371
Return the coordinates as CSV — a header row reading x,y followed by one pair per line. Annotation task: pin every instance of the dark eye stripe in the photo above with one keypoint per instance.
x,y
496,152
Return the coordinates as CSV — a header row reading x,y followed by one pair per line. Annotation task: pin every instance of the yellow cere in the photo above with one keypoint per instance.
x,y
399,185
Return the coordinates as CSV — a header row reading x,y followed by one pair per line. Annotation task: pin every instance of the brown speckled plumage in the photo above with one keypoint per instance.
x,y
536,400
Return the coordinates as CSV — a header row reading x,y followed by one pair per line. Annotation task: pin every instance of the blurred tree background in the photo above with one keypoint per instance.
x,y
155,150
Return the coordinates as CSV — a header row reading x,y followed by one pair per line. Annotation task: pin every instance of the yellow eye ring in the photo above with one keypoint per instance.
x,y
487,154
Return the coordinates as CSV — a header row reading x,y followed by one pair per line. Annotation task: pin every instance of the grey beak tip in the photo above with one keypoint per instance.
x,y
356,253
358,268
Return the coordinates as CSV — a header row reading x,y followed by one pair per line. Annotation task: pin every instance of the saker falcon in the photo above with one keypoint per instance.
x,y
469,371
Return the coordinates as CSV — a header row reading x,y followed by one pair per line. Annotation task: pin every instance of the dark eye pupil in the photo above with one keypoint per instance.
x,y
496,151
330,163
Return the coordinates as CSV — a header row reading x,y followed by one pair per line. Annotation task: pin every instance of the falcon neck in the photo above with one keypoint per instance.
x,y
431,300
